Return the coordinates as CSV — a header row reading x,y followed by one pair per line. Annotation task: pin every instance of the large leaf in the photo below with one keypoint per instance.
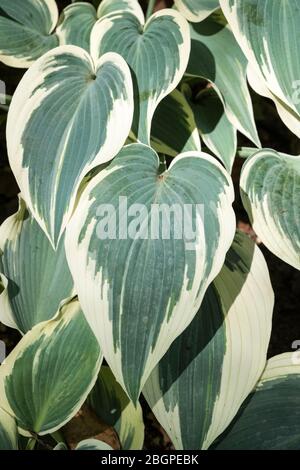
x,y
50,372
214,126
67,116
37,277
174,128
199,385
8,432
270,417
226,72
114,408
25,30
270,188
156,51
144,274
267,31
196,10
77,20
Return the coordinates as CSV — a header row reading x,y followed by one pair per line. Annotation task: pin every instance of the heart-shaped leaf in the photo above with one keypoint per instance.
x,y
200,383
147,246
25,30
270,418
226,72
267,31
157,53
67,116
270,188
77,20
196,10
37,276
51,371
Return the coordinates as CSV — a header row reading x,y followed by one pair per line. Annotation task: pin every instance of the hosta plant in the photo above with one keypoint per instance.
x,y
123,269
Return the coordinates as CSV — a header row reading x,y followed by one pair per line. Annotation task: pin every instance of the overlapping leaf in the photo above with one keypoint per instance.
x,y
267,32
157,53
49,374
145,271
196,10
114,408
270,417
174,129
214,126
25,30
8,431
199,385
36,276
270,188
67,116
78,19
226,72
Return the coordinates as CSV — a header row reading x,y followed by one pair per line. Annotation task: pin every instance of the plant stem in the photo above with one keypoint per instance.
x,y
31,444
150,8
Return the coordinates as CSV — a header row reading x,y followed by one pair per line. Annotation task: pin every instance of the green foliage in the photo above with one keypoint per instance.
x,y
122,136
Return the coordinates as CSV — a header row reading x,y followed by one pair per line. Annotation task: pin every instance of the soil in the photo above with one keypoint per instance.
x,y
285,279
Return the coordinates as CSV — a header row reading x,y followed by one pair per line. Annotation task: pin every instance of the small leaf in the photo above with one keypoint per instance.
x,y
173,128
226,72
49,374
270,189
112,405
37,278
214,126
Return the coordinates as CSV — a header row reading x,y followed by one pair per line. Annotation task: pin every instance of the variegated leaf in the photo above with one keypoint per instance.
x,y
86,444
8,431
25,30
67,116
37,277
270,417
196,10
77,20
49,374
156,51
111,404
215,129
112,6
147,246
270,188
76,23
199,385
226,72
174,128
267,32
